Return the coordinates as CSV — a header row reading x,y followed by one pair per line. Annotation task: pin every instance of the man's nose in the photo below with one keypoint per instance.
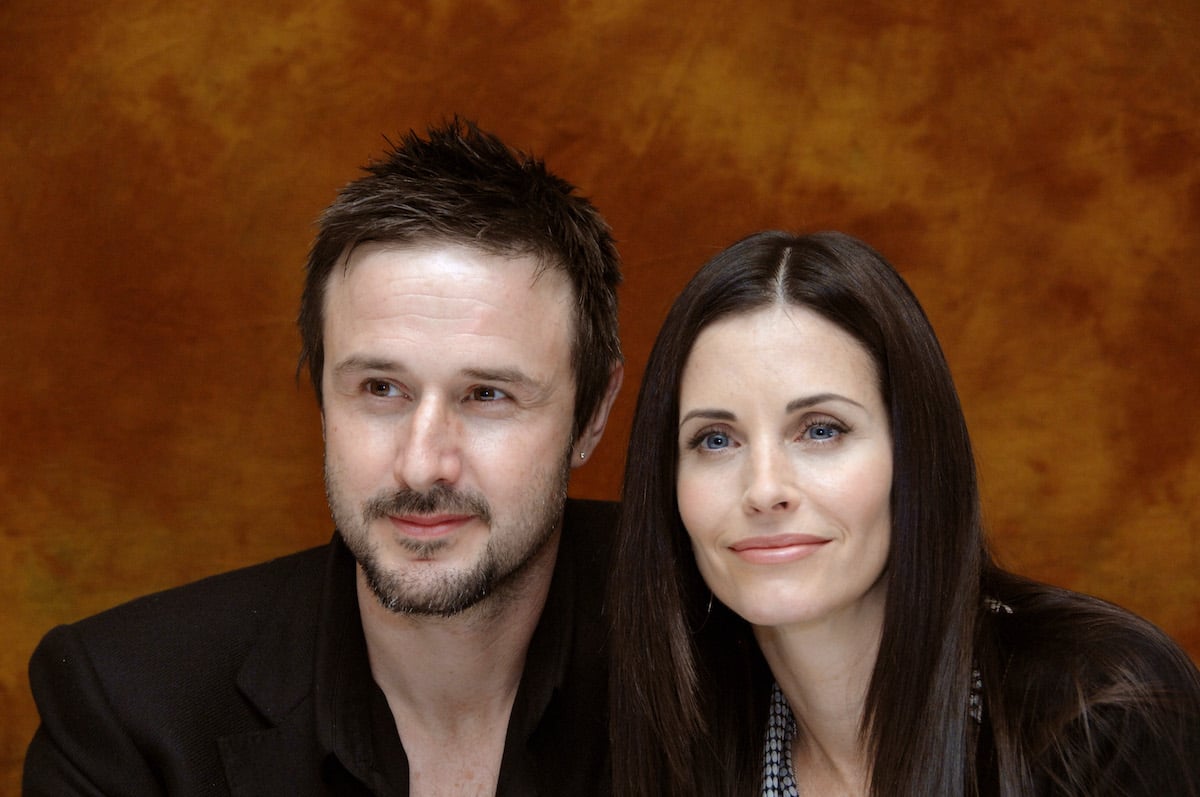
x,y
430,449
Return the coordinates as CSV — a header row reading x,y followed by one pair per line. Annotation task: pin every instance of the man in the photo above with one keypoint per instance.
x,y
459,325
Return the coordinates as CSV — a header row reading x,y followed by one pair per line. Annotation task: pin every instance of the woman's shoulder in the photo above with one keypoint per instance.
x,y
1102,700
1070,634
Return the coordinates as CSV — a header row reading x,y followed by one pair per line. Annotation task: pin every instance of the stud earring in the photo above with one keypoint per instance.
x,y
583,455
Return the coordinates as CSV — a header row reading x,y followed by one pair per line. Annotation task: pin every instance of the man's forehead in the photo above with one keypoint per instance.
x,y
448,294
534,262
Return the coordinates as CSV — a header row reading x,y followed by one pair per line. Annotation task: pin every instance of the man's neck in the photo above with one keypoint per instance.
x,y
451,681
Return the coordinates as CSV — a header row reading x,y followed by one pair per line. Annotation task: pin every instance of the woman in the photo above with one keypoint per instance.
x,y
803,600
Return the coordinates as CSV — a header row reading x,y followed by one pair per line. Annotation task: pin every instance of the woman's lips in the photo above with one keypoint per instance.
x,y
777,548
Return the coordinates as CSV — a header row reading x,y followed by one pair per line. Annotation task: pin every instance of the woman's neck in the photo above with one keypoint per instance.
x,y
824,670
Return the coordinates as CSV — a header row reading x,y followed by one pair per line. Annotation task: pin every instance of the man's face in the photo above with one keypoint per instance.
x,y
448,401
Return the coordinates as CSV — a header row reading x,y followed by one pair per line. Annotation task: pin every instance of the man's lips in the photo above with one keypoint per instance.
x,y
429,525
777,548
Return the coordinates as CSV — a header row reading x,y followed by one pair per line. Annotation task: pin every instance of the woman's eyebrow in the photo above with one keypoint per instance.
x,y
819,398
792,406
715,415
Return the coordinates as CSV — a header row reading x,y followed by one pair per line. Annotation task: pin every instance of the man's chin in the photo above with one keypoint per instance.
x,y
440,591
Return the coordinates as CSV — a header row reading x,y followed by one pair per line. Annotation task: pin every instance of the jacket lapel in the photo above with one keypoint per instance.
x,y
277,678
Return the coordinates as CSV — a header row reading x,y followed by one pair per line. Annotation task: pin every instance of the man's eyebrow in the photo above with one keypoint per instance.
x,y
508,376
505,376
357,364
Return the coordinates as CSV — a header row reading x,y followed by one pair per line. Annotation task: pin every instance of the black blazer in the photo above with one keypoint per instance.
x,y
212,688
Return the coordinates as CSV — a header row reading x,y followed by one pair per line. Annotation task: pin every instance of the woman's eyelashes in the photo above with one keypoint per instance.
x,y
820,430
709,439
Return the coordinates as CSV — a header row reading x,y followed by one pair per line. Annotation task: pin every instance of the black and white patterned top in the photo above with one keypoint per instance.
x,y
779,779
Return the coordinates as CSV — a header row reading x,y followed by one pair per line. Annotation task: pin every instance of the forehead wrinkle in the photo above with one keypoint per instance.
x,y
460,262
429,303
489,319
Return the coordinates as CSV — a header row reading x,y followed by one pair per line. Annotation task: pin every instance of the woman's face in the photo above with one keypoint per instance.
x,y
785,468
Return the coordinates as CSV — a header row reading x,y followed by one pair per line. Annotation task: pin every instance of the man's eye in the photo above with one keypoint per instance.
x,y
488,394
378,387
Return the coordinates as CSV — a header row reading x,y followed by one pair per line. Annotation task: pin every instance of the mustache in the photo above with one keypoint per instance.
x,y
439,499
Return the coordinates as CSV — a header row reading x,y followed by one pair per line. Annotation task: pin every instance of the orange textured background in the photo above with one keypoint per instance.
x,y
1033,169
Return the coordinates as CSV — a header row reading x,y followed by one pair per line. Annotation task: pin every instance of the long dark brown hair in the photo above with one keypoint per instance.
x,y
690,687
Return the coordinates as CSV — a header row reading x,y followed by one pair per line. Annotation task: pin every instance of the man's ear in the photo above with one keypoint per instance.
x,y
589,436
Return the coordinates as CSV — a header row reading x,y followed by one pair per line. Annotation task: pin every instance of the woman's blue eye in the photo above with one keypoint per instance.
x,y
823,431
715,440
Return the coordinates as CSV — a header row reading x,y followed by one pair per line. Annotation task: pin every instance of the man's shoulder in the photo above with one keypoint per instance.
x,y
590,517
585,558
220,599
146,689
589,528
207,622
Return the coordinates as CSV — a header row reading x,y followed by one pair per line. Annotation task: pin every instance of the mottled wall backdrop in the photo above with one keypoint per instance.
x,y
1033,169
